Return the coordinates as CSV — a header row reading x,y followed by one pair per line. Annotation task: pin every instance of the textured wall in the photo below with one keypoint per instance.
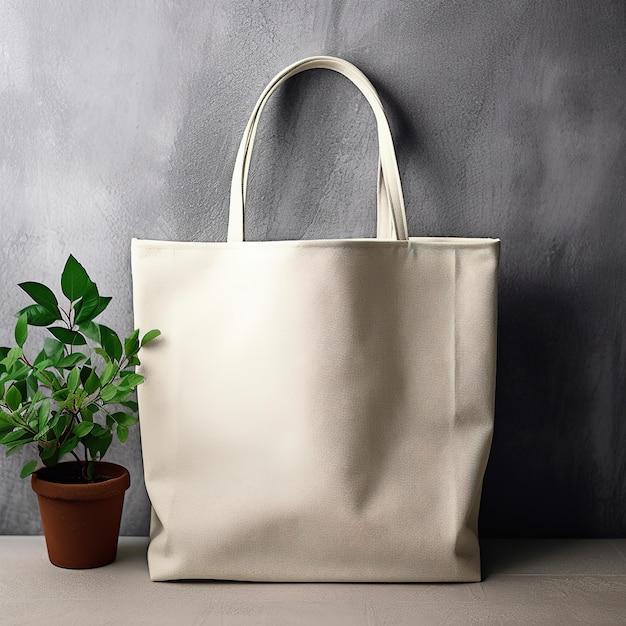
x,y
121,120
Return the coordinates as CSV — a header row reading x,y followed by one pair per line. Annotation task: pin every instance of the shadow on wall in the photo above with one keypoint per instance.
x,y
555,464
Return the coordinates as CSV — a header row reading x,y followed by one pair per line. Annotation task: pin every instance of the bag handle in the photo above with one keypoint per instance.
x,y
391,215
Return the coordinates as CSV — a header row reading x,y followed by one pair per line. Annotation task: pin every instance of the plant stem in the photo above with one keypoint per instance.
x,y
67,323
68,431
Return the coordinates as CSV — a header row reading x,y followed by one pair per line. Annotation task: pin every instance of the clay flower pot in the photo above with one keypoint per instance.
x,y
81,521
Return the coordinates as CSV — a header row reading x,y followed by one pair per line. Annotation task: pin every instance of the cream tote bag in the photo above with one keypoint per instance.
x,y
317,410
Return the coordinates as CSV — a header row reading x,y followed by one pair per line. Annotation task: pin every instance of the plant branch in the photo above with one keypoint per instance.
x,y
24,424
67,316
68,430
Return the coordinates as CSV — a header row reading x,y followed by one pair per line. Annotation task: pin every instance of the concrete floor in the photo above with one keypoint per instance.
x,y
548,582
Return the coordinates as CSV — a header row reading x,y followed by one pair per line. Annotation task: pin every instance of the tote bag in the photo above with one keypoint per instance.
x,y
317,410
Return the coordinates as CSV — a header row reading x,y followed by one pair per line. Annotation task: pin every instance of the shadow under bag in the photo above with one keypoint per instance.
x,y
317,410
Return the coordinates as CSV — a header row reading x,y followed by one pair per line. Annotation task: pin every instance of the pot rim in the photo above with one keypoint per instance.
x,y
118,483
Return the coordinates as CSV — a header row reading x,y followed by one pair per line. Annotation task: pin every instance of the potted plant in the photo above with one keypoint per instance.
x,y
71,397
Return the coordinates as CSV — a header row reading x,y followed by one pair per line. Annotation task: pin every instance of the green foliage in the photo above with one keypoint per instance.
x,y
68,336
75,282
149,336
39,315
68,398
21,330
28,469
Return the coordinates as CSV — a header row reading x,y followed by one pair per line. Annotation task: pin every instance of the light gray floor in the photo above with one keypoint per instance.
x,y
547,582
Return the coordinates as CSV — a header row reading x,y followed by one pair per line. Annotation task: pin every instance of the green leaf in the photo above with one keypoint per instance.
x,y
149,336
92,383
108,393
21,330
54,349
67,336
86,414
15,447
111,343
18,372
75,281
40,358
54,421
6,421
131,380
42,365
43,414
102,305
85,370
73,379
51,457
40,294
69,444
47,453
122,433
90,306
61,394
99,431
32,385
39,315
48,379
21,384
91,330
71,360
82,429
104,442
98,441
131,343
124,419
11,358
42,435
28,469
13,398
62,424
133,406
84,307
103,354
16,437
122,394
108,373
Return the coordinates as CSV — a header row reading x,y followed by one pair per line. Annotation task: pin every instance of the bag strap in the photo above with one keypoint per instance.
x,y
391,215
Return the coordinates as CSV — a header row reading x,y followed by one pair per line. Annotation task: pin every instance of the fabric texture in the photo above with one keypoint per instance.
x,y
317,410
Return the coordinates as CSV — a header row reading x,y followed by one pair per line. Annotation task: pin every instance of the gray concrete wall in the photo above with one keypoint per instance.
x,y
121,119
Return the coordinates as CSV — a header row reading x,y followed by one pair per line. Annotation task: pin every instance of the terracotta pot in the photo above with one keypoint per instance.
x,y
81,522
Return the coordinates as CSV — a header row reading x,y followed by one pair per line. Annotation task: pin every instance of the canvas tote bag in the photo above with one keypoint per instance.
x,y
317,410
